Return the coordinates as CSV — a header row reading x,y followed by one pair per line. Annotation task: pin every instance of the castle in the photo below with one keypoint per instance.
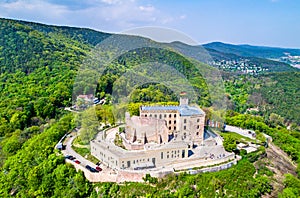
x,y
161,124
160,136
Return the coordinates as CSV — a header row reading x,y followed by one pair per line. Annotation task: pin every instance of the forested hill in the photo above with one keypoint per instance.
x,y
38,64
37,69
36,73
84,35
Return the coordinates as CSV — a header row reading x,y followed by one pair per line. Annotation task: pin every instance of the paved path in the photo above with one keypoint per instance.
x,y
70,151
106,175
69,109
243,132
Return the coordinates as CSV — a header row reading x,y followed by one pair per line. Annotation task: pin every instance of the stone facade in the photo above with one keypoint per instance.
x,y
150,157
183,121
142,130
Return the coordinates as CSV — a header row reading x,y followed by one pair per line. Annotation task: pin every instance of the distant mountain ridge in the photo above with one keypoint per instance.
x,y
251,51
215,51
219,52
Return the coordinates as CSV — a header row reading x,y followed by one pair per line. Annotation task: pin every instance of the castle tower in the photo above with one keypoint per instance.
x,y
183,101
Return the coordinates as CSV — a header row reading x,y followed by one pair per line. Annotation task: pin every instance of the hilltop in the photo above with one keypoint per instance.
x,y
38,67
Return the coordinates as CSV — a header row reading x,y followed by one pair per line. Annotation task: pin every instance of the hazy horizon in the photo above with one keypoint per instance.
x,y
272,23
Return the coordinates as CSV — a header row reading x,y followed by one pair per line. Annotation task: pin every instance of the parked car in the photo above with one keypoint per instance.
x,y
94,170
70,157
91,169
77,161
98,168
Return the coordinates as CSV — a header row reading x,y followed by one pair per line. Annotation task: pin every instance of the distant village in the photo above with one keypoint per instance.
x,y
292,60
241,65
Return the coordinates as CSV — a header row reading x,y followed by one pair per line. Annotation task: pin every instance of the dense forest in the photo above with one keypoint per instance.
x,y
273,93
38,67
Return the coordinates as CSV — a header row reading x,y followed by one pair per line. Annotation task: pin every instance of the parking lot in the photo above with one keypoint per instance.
x,y
93,172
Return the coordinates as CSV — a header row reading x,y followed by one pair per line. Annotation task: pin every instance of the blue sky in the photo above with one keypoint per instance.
x,y
256,22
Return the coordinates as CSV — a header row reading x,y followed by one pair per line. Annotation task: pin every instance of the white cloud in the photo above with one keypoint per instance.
x,y
182,16
111,2
148,8
109,15
33,10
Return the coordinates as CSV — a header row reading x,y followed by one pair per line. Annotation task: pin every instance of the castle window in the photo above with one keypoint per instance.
x,y
150,115
169,128
170,115
183,154
174,127
146,115
174,121
174,115
161,155
160,116
198,120
184,127
165,115
197,133
184,121
170,122
155,115
198,127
